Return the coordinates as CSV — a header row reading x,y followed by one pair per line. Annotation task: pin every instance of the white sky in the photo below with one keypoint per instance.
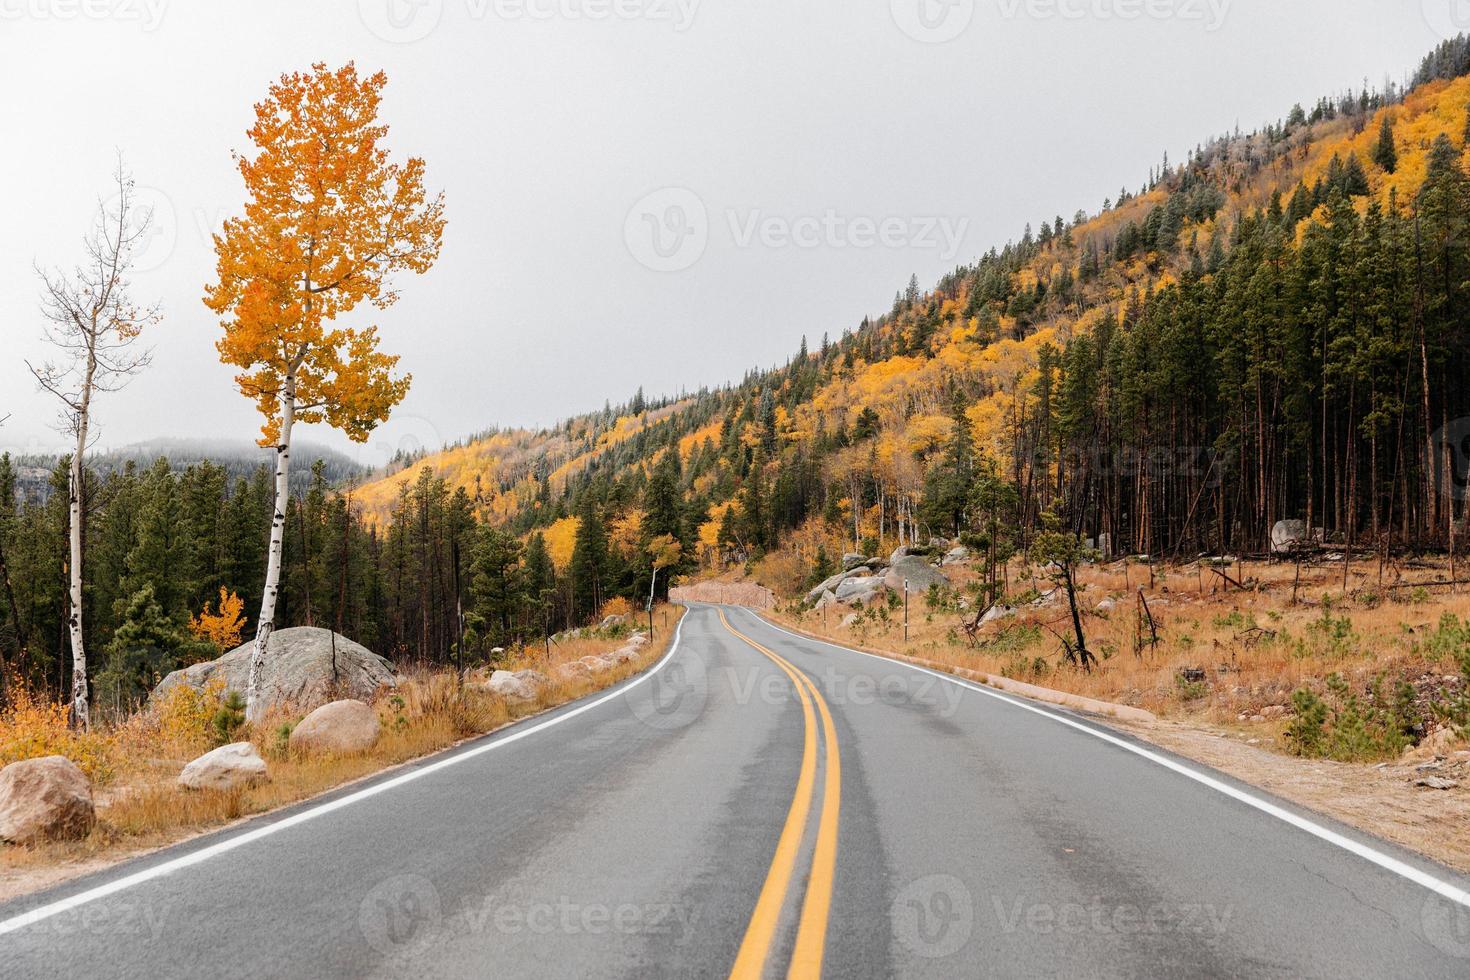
x,y
546,122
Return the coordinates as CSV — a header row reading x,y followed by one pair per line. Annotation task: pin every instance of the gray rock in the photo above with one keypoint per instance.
x,y
1288,535
956,556
996,613
852,560
232,766
597,663
299,670
828,598
858,589
340,728
849,621
610,621
830,584
918,572
45,799
1436,782
902,551
520,685
1106,606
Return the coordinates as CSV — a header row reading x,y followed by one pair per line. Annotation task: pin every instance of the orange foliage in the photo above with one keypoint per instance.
x,y
32,727
616,606
327,220
221,627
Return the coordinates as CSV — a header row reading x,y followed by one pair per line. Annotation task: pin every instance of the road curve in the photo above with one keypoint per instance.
x,y
759,803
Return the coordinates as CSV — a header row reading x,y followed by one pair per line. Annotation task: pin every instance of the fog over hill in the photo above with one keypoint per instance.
x,y
238,457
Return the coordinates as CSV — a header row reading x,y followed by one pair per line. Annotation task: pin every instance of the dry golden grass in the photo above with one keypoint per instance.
x,y
140,805
1255,645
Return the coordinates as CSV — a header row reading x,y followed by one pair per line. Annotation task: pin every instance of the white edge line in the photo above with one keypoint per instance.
x,y
1440,887
214,850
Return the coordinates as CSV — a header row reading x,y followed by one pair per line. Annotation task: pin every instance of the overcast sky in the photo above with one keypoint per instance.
x,y
640,192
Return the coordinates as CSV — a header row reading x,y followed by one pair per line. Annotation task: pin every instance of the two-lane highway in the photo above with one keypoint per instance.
x,y
763,804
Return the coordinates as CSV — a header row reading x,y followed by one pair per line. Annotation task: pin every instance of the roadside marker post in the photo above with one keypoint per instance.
x,y
905,611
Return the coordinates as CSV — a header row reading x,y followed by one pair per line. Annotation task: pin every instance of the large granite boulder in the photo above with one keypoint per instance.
x,y
45,799
860,590
304,668
520,685
831,584
917,571
233,766
1288,536
341,728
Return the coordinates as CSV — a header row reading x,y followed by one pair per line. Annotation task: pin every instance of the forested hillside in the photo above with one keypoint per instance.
x,y
1274,328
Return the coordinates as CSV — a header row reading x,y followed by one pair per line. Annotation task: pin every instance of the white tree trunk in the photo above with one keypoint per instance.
x,y
80,711
267,622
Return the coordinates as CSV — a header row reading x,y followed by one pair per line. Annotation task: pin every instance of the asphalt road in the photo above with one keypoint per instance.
x,y
759,802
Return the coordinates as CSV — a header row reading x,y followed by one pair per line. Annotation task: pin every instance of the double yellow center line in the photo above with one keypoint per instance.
x,y
811,932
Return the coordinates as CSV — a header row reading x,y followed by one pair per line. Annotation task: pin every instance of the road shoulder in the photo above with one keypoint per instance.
x,y
1382,800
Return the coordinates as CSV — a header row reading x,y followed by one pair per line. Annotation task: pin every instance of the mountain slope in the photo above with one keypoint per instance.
x,y
1270,330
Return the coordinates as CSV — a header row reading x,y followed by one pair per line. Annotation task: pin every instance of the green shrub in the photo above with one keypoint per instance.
x,y
229,719
1348,728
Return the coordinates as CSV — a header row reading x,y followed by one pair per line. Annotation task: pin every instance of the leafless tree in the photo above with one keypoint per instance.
x,y
93,325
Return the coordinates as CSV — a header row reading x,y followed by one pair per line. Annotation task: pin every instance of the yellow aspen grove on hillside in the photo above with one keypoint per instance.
x,y
328,219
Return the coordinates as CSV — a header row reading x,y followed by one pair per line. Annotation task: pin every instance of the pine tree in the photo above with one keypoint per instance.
x,y
753,504
539,581
589,561
1385,154
144,648
497,583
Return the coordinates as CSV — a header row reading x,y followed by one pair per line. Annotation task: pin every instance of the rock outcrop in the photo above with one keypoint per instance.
x,y
918,572
305,667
